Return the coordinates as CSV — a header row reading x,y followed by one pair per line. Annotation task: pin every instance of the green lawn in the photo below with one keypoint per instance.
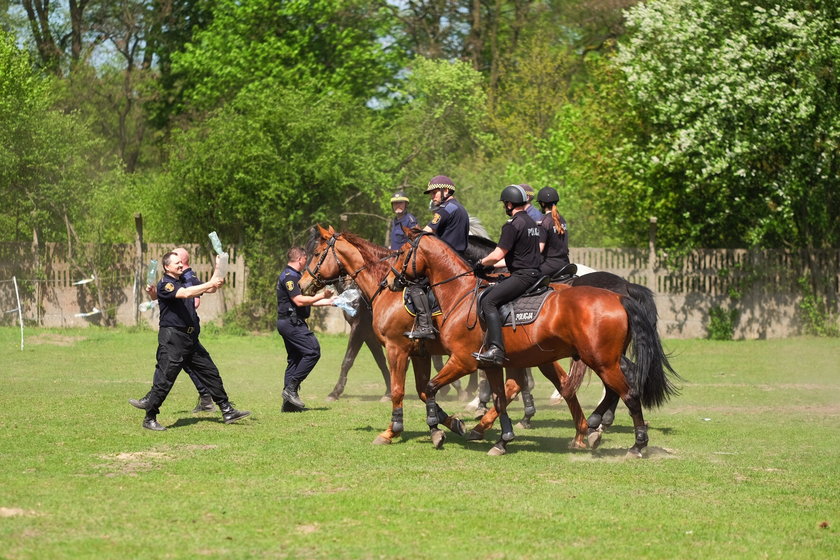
x,y
745,463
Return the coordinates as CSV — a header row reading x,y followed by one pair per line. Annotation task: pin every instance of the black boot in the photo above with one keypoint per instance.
x,y
494,348
141,403
422,323
205,404
230,414
151,423
290,395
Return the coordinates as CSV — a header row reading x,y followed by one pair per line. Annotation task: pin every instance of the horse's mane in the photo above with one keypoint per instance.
x,y
375,256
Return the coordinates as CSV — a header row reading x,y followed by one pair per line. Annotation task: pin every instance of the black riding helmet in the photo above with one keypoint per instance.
x,y
514,194
547,195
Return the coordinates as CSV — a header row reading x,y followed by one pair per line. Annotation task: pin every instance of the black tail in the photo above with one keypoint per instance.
x,y
644,296
650,377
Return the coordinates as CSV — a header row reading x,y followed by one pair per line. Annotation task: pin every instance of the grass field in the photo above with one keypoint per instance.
x,y
744,464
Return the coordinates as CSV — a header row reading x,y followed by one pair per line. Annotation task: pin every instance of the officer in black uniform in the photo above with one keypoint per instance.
x,y
302,348
402,218
519,245
178,344
554,239
451,223
205,401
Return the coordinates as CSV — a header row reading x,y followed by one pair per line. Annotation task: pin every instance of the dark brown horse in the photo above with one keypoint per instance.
x,y
345,254
590,324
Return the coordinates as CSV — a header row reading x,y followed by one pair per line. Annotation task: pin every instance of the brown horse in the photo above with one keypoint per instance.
x,y
345,254
590,324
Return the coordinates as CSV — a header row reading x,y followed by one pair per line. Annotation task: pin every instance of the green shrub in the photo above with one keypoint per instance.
x,y
722,323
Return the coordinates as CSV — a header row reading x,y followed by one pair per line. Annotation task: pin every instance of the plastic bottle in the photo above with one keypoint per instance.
x,y
151,272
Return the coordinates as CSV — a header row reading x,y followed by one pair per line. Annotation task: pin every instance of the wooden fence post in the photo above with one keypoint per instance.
x,y
138,268
651,266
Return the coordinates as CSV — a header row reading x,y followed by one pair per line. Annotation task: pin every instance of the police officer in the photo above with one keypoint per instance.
x,y
302,348
554,239
205,401
178,344
535,214
519,245
402,217
451,223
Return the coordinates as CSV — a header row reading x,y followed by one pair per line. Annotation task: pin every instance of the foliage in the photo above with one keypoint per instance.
x,y
270,165
44,179
328,44
740,104
816,314
722,323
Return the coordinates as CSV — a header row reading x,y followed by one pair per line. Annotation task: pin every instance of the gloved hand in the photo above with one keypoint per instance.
x,y
480,269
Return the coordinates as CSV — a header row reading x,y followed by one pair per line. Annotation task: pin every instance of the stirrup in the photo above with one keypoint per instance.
x,y
417,334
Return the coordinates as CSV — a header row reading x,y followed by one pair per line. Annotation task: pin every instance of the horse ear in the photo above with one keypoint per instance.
x,y
324,233
332,231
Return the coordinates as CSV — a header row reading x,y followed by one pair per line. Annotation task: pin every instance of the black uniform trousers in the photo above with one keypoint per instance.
x,y
178,350
499,294
302,350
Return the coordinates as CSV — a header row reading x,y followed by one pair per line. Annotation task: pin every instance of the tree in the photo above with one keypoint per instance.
x,y
331,45
741,102
43,178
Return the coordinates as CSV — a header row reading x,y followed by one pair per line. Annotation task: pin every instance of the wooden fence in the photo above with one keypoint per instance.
x,y
63,286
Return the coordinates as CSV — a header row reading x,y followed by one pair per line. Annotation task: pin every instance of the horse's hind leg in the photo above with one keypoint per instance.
x,y
604,414
615,378
555,373
527,401
354,343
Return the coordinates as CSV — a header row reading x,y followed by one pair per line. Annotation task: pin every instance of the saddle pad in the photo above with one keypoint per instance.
x,y
523,310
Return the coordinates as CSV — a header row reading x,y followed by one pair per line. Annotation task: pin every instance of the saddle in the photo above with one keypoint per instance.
x,y
565,275
523,310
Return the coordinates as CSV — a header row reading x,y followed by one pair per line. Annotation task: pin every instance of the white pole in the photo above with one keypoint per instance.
x,y
20,313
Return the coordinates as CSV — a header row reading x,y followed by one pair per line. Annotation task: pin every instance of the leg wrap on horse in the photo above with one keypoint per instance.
x,y
484,393
432,412
594,420
609,417
507,428
397,420
441,415
528,402
641,437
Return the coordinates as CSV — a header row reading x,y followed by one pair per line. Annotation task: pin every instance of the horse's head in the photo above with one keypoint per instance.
x,y
322,266
410,263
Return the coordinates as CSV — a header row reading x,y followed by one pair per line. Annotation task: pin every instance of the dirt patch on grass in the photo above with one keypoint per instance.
x,y
17,512
54,339
132,463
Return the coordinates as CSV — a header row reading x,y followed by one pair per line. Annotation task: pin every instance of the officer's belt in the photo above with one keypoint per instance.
x,y
188,330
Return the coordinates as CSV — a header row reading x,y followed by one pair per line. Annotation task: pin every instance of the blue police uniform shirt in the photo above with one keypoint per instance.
x,y
451,223
175,312
398,238
535,214
288,286
521,239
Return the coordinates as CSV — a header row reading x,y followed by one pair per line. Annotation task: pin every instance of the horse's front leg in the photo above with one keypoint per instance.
x,y
452,370
516,378
398,360
527,399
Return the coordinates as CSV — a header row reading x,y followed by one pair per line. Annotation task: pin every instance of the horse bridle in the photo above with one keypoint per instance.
x,y
342,271
400,279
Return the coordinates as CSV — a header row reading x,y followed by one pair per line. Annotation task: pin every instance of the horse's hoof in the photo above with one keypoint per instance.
x,y
438,437
524,424
593,439
634,453
332,398
385,398
381,440
497,450
577,444
475,435
458,427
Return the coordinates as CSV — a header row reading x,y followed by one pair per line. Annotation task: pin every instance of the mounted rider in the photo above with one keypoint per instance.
x,y
554,239
451,223
519,245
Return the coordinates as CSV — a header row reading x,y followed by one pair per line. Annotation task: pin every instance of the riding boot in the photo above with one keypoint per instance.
x,y
205,404
290,395
422,323
494,348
